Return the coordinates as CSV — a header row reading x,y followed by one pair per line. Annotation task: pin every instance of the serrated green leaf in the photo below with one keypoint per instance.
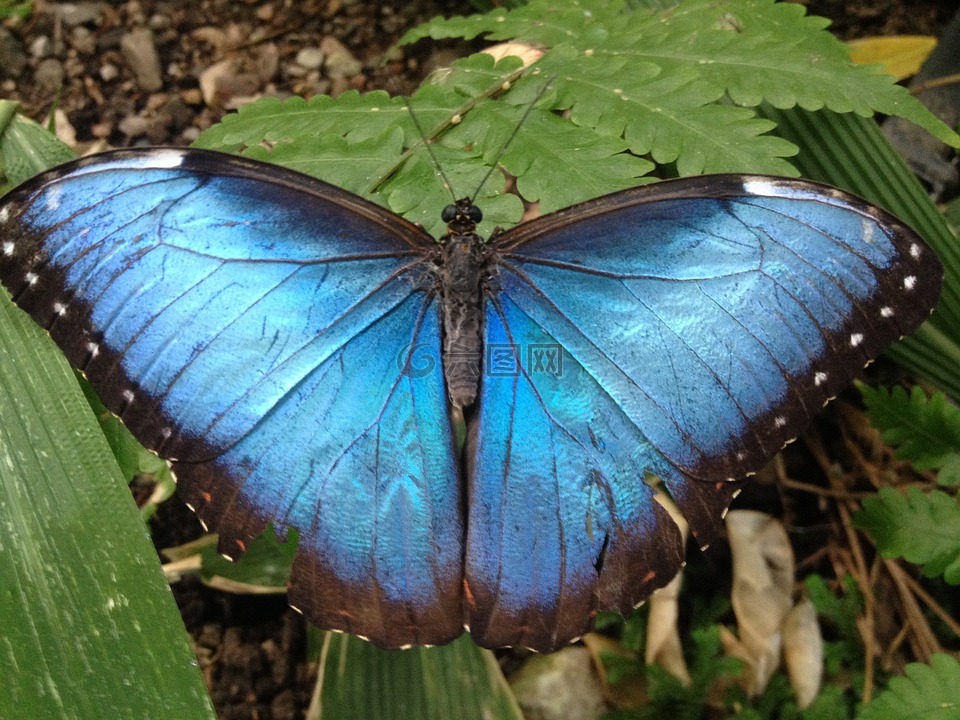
x,y
547,148
356,166
545,23
354,116
924,431
927,692
842,611
628,89
923,528
750,51
417,193
949,473
830,704
673,116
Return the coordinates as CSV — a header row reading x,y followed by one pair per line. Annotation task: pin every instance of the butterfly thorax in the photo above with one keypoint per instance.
x,y
461,274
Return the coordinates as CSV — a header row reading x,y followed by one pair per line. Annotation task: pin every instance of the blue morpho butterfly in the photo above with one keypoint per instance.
x,y
296,351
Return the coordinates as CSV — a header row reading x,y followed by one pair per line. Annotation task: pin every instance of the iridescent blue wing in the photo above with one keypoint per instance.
x,y
257,326
696,327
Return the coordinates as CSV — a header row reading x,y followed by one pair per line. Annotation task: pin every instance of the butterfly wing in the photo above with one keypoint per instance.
x,y
703,322
259,327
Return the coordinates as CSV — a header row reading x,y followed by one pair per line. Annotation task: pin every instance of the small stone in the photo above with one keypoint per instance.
x,y
265,13
340,61
83,41
561,686
176,114
109,72
310,58
190,135
41,47
13,58
141,55
267,61
192,96
101,130
160,22
134,126
78,13
49,74
65,131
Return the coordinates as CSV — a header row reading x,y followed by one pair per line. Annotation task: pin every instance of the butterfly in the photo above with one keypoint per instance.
x,y
297,351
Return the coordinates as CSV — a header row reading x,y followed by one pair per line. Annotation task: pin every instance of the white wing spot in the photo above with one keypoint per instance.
x,y
166,433
4,214
60,309
856,339
30,279
819,378
760,186
915,251
886,311
8,248
127,396
165,159
93,349
779,421
910,281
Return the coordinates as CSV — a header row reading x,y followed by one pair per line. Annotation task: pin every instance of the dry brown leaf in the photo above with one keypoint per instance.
x,y
763,569
663,633
527,53
803,652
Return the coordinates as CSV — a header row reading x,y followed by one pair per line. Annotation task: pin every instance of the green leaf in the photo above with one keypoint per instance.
x,y
924,431
15,9
25,147
830,704
546,148
748,51
629,84
88,626
841,611
458,680
263,568
923,528
930,692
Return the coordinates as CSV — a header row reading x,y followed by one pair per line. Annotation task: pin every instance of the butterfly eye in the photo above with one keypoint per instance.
x,y
474,214
449,214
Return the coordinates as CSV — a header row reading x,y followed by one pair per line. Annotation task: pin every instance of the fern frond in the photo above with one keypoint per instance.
x,y
679,87
931,692
923,528
924,431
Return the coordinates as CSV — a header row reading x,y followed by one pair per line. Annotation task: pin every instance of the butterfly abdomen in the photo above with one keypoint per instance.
x,y
460,279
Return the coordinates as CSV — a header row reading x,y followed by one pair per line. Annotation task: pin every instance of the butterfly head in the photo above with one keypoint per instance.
x,y
462,217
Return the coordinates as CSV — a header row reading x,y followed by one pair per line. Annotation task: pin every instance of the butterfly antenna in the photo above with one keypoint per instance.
x,y
429,147
510,139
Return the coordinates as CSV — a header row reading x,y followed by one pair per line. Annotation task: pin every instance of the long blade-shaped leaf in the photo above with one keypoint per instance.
x,y
459,680
88,628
